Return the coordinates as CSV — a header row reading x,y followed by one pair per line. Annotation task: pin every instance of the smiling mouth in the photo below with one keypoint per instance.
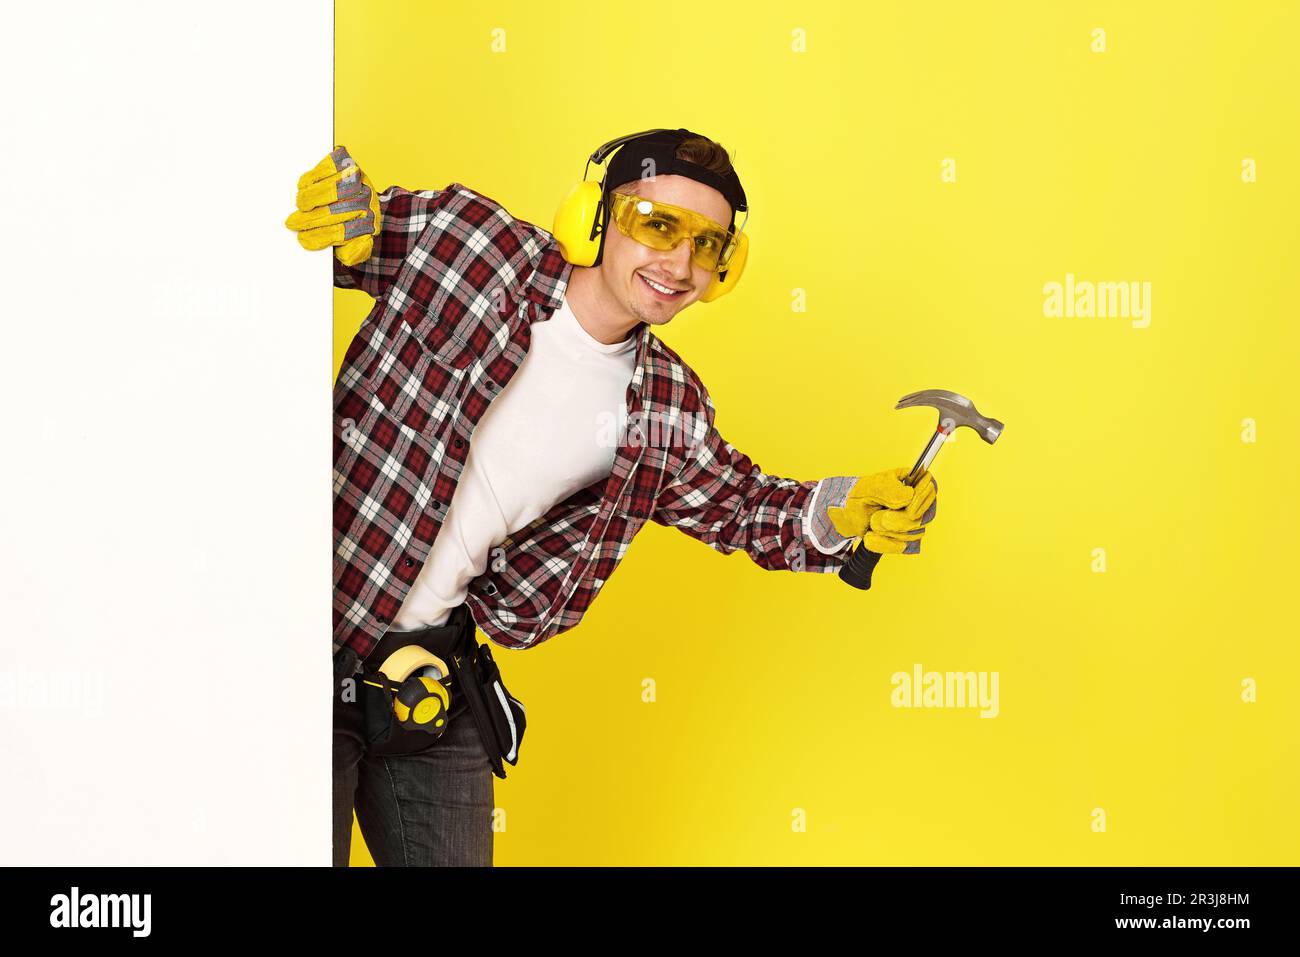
x,y
660,290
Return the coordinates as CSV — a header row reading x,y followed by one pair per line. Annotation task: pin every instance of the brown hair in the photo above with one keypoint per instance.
x,y
699,150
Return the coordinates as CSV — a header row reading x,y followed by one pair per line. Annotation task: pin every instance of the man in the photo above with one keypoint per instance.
x,y
476,481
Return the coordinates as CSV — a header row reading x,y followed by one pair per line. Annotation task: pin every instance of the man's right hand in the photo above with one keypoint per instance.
x,y
888,515
337,206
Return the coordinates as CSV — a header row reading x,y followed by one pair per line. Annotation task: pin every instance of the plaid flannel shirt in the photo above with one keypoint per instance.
x,y
457,283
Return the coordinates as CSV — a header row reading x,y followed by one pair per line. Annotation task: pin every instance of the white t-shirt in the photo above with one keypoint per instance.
x,y
544,437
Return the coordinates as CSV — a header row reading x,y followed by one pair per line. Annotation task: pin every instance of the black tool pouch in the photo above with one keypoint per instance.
x,y
498,715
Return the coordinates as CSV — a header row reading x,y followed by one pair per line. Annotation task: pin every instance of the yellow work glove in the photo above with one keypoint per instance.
x,y
886,514
337,206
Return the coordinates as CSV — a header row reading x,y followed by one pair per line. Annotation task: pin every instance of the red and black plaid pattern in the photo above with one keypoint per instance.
x,y
457,284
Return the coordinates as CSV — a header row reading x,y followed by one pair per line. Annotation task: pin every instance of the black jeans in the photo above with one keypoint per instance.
x,y
431,808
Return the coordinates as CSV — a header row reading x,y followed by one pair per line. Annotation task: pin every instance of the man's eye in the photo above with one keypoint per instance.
x,y
656,223
706,242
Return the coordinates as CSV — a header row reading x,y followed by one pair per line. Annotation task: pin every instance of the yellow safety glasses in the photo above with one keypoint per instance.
x,y
662,226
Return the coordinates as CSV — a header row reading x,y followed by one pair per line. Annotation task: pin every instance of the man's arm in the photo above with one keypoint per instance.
x,y
404,216
724,500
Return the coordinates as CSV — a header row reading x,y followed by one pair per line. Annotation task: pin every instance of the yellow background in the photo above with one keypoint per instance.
x,y
1118,690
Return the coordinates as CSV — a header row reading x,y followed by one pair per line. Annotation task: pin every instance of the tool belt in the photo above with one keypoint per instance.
x,y
474,685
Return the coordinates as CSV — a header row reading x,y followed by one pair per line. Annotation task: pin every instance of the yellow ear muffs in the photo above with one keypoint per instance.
x,y
409,659
422,702
572,227
720,286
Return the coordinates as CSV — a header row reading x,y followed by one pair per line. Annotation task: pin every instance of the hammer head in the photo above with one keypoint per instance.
x,y
954,411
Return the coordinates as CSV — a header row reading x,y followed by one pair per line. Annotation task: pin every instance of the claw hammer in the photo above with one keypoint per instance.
x,y
955,411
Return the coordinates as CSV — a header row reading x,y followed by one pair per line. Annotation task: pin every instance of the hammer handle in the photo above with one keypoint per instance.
x,y
857,570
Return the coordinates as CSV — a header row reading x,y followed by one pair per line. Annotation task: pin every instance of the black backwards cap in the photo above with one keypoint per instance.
x,y
660,146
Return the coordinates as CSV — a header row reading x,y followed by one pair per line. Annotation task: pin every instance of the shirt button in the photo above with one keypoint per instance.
x,y
638,512
490,384
458,442
490,588
436,505
407,562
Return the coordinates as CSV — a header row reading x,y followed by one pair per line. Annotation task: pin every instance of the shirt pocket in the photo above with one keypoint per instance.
x,y
395,377
445,329
413,385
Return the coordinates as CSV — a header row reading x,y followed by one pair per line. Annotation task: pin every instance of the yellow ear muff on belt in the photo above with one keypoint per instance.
x,y
422,704
409,659
422,701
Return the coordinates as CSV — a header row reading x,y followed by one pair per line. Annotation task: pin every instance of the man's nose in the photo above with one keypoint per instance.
x,y
677,261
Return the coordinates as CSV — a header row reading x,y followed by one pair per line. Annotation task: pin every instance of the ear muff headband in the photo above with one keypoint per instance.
x,y
582,217
408,659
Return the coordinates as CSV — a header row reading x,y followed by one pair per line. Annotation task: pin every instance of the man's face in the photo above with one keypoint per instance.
x,y
626,265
